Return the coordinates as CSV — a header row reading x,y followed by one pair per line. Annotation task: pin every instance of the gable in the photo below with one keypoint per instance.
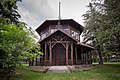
x,y
58,36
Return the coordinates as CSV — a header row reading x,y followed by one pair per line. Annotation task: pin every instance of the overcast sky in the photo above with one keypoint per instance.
x,y
35,12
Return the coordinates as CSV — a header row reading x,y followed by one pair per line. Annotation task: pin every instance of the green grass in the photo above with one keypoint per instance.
x,y
104,72
24,64
108,63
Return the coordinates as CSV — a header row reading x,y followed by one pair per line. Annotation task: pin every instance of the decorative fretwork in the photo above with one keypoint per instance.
x,y
59,38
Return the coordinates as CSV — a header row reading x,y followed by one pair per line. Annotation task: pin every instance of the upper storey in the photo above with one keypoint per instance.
x,y
69,26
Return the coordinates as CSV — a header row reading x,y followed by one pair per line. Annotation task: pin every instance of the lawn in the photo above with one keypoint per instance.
x,y
108,63
104,72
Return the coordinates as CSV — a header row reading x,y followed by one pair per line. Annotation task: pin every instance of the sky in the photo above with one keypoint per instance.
x,y
35,12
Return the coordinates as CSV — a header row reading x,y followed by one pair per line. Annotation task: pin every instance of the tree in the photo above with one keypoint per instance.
x,y
8,9
91,28
13,42
15,38
102,25
32,53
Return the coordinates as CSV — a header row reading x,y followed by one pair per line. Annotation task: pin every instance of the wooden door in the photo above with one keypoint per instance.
x,y
58,55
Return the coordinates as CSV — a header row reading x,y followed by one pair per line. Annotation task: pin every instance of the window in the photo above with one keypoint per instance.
x,y
66,30
44,34
52,30
75,34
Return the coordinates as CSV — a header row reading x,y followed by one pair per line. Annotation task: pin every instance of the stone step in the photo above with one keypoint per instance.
x,y
58,69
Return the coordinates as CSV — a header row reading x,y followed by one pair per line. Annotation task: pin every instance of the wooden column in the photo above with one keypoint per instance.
x,y
76,53
86,57
45,51
71,53
90,57
66,53
50,54
82,55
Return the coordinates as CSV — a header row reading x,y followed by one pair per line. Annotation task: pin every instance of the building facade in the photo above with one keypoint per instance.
x,y
60,43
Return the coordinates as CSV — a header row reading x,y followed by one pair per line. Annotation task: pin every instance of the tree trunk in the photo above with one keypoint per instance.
x,y
31,62
100,56
36,62
26,61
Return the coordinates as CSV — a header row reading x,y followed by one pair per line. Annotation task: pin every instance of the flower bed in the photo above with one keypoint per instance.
x,y
41,69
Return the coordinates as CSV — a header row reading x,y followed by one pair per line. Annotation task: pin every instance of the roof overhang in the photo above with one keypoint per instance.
x,y
62,22
86,46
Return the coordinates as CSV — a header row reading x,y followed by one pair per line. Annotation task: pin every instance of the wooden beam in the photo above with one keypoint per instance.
x,y
53,44
81,55
76,53
86,57
59,42
45,51
90,57
66,53
50,54
64,45
71,53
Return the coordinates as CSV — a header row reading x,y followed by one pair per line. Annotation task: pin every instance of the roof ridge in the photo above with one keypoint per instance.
x,y
57,19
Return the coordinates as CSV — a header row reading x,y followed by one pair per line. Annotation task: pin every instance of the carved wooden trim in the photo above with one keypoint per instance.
x,y
53,44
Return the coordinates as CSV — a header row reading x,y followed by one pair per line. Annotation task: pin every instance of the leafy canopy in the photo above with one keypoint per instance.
x,y
102,25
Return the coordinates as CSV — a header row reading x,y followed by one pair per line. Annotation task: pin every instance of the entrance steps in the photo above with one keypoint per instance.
x,y
58,69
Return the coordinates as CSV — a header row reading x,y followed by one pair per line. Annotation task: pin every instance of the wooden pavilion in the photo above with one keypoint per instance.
x,y
60,43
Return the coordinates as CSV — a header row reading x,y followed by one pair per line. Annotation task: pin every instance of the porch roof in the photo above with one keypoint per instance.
x,y
85,45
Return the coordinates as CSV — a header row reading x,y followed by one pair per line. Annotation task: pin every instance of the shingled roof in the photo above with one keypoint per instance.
x,y
63,22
